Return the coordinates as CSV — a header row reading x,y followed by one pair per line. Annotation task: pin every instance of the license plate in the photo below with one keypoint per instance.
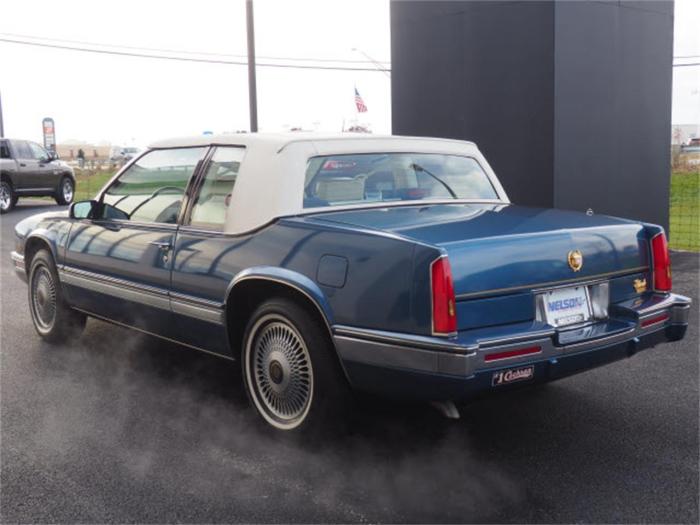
x,y
565,306
504,377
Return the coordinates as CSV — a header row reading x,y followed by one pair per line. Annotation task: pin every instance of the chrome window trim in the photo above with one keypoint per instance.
x,y
495,184
396,204
123,223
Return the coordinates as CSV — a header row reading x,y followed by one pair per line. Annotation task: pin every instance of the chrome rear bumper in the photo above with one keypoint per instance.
x,y
465,356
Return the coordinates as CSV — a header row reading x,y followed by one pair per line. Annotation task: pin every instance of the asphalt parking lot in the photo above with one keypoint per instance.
x,y
122,428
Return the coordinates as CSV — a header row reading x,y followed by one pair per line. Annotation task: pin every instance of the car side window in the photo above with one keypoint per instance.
x,y
214,195
23,150
152,189
4,150
38,153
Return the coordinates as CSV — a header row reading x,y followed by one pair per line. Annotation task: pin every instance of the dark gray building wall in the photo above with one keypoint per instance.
x,y
612,108
569,101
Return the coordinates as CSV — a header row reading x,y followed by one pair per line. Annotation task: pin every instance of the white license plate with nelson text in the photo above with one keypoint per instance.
x,y
565,306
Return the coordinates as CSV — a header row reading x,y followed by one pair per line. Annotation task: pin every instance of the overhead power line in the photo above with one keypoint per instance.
x,y
188,59
688,64
151,50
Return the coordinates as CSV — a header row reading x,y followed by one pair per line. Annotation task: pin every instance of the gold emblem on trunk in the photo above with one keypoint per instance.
x,y
575,258
640,285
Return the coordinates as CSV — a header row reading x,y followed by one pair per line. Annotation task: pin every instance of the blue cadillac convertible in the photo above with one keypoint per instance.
x,y
327,264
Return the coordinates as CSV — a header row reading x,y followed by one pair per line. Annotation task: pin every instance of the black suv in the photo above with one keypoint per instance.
x,y
28,170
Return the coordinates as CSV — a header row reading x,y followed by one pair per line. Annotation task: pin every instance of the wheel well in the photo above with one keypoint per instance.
x,y
6,178
32,246
245,297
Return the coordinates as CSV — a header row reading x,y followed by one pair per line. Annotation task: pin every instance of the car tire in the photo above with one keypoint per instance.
x,y
8,197
53,319
291,373
65,191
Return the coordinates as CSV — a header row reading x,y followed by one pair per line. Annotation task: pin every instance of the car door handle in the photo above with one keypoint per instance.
x,y
22,165
163,245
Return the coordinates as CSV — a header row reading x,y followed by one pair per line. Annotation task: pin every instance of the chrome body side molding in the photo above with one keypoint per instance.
x,y
188,306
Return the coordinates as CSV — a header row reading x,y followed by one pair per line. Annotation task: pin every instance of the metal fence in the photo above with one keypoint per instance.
x,y
684,220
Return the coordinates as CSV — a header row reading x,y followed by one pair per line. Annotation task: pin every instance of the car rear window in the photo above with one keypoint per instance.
x,y
4,150
340,180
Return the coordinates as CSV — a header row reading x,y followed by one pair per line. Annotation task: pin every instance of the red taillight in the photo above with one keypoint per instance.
x,y
444,311
661,263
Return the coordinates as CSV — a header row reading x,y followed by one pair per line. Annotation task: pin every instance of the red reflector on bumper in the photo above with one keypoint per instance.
x,y
654,320
518,352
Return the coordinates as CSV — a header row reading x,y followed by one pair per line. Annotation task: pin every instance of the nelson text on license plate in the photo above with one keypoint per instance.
x,y
565,306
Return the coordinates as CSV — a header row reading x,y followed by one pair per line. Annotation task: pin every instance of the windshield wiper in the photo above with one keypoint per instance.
x,y
418,168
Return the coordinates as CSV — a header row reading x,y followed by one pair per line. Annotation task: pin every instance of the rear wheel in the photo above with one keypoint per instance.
x,y
53,319
65,191
8,197
291,373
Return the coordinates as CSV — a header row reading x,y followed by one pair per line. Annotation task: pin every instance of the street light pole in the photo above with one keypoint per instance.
x,y
252,85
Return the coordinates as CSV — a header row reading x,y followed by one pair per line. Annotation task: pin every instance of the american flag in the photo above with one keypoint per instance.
x,y
361,108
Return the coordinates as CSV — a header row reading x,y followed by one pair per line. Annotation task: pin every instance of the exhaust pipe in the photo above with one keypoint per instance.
x,y
446,408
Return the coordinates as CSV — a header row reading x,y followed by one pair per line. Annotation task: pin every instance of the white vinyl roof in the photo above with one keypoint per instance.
x,y
270,182
280,140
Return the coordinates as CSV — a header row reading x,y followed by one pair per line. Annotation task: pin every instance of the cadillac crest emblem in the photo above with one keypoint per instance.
x,y
575,259
640,285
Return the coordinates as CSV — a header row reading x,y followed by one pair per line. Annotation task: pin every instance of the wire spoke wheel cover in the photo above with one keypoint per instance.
x,y
43,298
279,371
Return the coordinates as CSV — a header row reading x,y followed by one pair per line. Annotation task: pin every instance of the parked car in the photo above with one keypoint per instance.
x,y
322,264
29,170
125,154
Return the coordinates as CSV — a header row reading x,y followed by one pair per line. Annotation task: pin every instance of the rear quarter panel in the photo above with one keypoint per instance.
x,y
366,278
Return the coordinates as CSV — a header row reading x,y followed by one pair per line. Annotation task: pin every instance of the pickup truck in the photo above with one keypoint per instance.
x,y
29,170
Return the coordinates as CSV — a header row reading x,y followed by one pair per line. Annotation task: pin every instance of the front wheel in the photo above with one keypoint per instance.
x,y
65,191
8,197
53,319
291,373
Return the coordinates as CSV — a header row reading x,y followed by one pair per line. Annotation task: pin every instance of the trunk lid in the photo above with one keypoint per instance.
x,y
495,249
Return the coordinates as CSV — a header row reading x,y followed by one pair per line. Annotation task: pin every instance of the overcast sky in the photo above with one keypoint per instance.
x,y
127,100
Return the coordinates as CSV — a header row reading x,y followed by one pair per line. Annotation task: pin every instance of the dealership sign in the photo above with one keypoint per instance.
x,y
49,134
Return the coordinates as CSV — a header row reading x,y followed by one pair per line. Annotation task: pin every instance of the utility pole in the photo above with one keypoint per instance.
x,y
2,126
252,85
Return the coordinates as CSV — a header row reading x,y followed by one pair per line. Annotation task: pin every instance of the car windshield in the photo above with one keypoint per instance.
x,y
339,180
